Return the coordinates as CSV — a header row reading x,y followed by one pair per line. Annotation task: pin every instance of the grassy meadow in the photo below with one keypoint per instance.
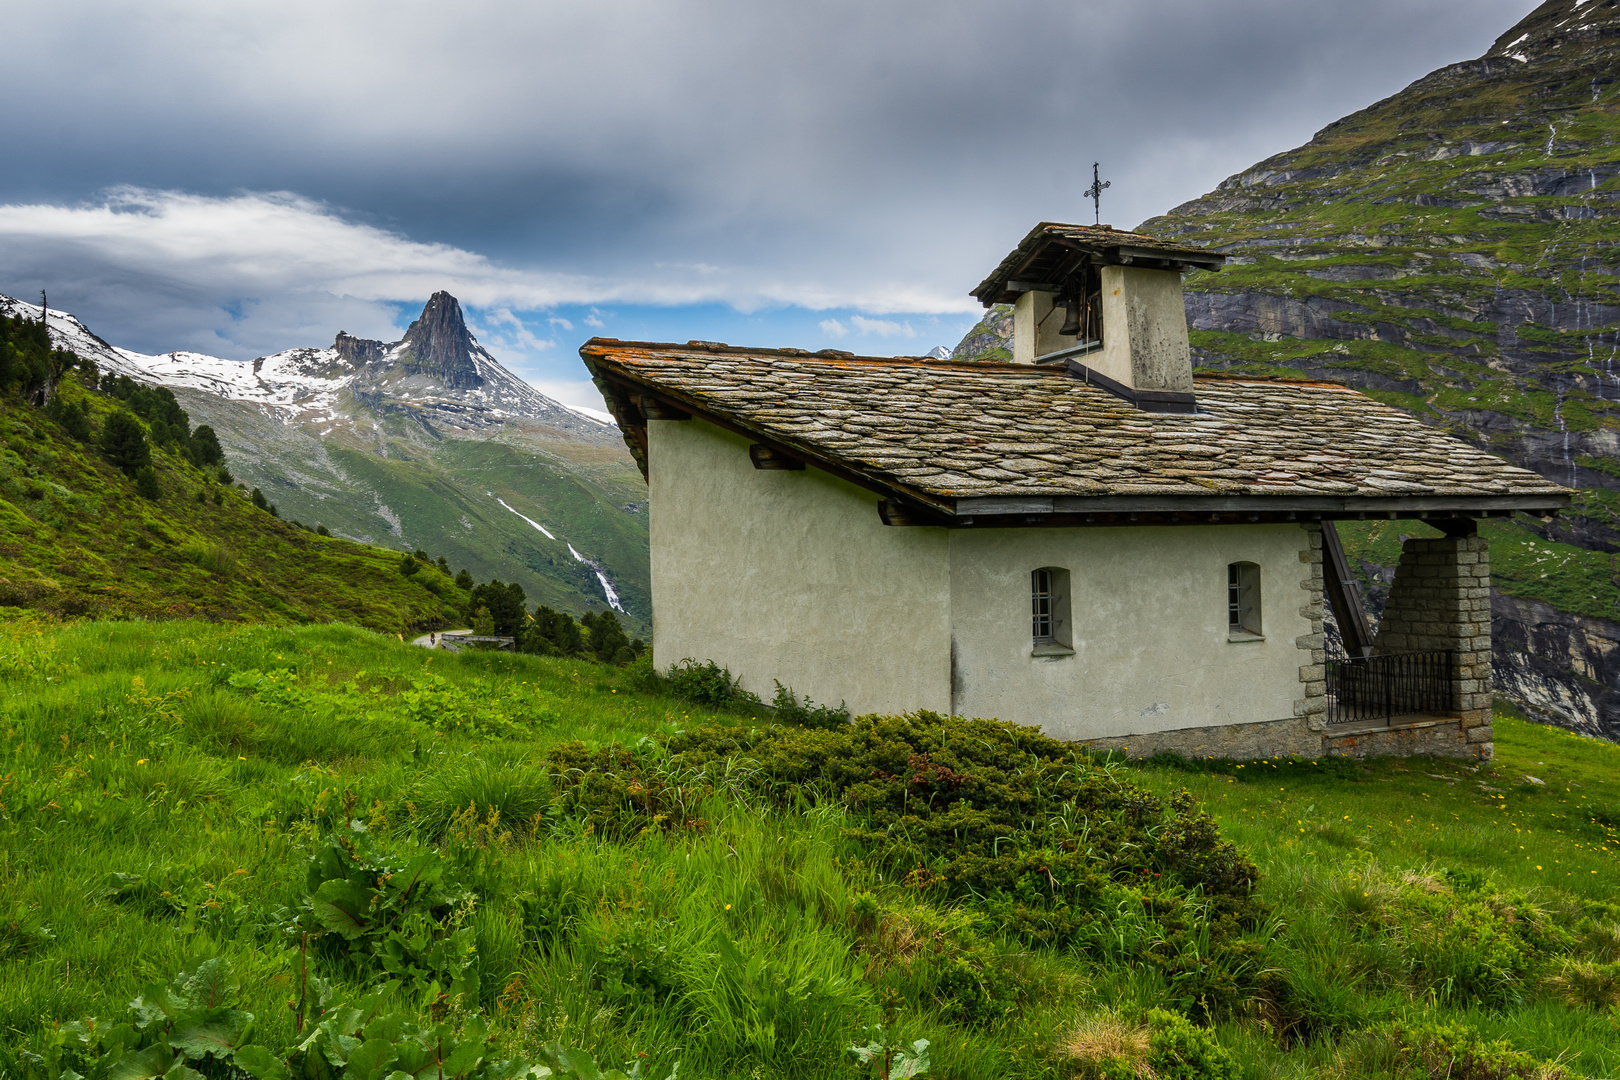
x,y
596,863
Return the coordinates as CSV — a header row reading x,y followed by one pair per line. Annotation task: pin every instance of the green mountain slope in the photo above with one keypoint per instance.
x,y
414,444
77,538
1452,250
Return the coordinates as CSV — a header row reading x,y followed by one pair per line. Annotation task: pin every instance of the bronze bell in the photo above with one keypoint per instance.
x,y
1071,324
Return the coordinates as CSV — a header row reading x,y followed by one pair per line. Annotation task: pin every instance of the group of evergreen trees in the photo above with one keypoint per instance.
x,y
31,368
497,608
28,364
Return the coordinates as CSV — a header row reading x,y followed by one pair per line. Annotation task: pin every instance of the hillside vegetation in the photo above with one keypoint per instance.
x,y
476,861
111,505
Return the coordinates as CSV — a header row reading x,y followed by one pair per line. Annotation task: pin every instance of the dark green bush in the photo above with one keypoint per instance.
x,y
1053,846
1458,1052
790,709
709,685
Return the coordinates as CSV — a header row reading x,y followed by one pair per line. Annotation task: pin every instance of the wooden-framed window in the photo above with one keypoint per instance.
x,y
1243,600
1049,610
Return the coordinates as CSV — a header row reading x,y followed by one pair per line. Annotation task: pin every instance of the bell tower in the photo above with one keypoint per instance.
x,y
1104,303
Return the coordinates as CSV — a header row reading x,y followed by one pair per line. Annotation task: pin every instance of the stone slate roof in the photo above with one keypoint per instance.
x,y
945,431
1052,250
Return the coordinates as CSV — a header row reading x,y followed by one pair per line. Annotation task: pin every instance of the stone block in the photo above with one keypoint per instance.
x,y
1467,558
1481,734
1309,641
1309,673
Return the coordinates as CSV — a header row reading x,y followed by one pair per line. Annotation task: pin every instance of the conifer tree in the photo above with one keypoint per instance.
x,y
123,443
204,448
146,484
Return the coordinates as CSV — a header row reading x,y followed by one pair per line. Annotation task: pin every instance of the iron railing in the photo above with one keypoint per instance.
x,y
1372,688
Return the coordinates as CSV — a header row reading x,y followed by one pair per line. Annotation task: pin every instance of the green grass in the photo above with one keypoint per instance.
x,y
1523,564
756,932
76,538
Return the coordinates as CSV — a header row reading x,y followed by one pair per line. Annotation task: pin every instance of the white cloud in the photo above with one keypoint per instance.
x,y
885,328
245,274
833,328
593,320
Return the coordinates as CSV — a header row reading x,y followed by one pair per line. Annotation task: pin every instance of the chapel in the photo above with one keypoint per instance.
x,y
1092,538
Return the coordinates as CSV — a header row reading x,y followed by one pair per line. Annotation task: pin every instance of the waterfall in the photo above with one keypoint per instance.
x,y
1558,416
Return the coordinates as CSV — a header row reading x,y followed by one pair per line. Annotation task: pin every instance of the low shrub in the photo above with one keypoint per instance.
x,y
708,685
1054,846
790,709
214,558
1167,1047
1458,1052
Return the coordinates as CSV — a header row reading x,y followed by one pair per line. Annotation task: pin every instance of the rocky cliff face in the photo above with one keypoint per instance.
x,y
438,345
1452,250
991,340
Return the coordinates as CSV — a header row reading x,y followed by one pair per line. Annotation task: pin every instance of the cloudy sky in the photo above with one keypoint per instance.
x,y
241,178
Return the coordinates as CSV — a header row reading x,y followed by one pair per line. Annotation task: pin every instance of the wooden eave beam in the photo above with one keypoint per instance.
x,y
1338,507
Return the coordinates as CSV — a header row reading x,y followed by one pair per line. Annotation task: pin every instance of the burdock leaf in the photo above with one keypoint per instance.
x,y
343,906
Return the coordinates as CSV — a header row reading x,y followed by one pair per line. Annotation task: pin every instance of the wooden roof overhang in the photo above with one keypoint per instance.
x,y
1053,252
634,400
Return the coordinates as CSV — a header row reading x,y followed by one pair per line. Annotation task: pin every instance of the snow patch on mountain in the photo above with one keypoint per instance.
x,y
306,384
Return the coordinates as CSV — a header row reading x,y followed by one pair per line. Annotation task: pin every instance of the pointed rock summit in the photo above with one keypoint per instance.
x,y
439,345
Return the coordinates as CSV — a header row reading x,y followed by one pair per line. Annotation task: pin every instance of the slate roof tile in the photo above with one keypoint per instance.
x,y
950,430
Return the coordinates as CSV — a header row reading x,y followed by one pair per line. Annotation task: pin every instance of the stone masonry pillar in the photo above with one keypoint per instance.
x,y
1441,599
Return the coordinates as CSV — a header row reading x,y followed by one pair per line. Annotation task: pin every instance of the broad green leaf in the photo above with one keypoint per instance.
x,y
342,906
260,1063
182,1071
464,1058
209,987
146,1064
370,1060
416,1060
219,1036
571,1062
420,872
912,1064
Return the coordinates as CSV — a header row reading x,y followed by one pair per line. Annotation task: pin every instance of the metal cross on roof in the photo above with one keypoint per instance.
x,y
1094,192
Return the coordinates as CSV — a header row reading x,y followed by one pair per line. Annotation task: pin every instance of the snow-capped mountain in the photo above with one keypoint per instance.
x,y
425,442
438,371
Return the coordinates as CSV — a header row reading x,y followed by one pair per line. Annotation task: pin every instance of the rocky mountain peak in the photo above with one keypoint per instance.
x,y
1560,28
358,351
438,344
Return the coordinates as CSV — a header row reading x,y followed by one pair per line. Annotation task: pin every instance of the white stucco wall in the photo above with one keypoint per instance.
x,y
1149,628
792,576
1145,344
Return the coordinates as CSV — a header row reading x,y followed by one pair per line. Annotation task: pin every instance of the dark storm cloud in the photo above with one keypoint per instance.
x,y
876,155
